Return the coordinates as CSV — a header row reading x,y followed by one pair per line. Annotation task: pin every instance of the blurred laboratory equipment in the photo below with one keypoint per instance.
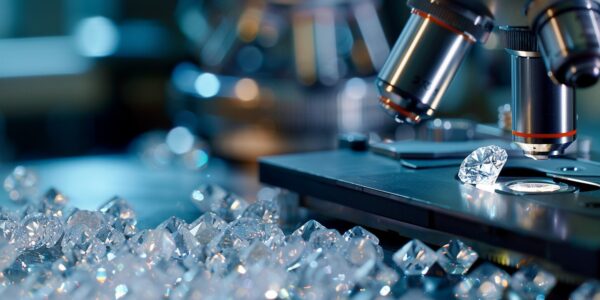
x,y
276,76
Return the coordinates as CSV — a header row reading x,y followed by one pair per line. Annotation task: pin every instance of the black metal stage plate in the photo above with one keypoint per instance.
x,y
560,229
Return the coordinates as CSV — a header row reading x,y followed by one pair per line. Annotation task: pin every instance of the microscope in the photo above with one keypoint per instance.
x,y
410,188
557,51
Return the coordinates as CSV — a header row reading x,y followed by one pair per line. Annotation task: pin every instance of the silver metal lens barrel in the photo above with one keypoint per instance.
x,y
569,36
543,112
427,55
420,68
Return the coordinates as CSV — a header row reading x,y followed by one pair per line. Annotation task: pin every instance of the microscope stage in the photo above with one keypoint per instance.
x,y
560,228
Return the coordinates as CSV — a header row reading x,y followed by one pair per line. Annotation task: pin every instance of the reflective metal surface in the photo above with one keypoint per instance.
x,y
569,36
427,55
543,112
559,227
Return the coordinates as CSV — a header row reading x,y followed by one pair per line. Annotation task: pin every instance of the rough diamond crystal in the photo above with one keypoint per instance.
x,y
532,282
415,258
483,165
487,282
206,227
456,258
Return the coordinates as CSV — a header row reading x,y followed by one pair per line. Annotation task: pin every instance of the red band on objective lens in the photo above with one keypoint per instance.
x,y
398,108
441,24
544,135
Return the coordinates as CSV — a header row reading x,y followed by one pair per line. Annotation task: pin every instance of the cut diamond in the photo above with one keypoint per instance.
x,y
38,230
456,258
532,282
92,221
21,184
588,290
483,165
415,258
487,282
326,239
183,238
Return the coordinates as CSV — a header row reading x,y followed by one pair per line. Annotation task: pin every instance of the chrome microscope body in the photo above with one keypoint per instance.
x,y
561,40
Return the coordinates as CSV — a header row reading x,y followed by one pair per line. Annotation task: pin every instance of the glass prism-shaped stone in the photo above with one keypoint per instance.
x,y
154,244
362,254
532,282
588,290
183,238
206,227
111,238
360,232
327,240
487,282
120,215
305,231
206,194
229,208
456,257
78,245
415,258
267,211
483,165
38,231
21,184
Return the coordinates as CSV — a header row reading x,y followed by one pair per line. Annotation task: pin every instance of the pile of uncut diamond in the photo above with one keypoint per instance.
x,y
234,250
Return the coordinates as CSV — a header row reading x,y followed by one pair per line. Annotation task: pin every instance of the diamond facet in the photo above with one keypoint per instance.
x,y
120,215
360,232
265,210
532,281
206,227
415,258
305,231
456,258
483,165
38,230
487,282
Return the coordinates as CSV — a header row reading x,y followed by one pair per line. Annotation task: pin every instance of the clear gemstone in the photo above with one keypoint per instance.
x,y
239,234
456,258
267,211
53,203
9,224
21,184
153,244
360,232
111,238
483,165
487,282
588,290
304,232
38,231
206,227
92,221
290,254
532,282
183,238
415,258
229,208
78,245
120,215
326,239
256,253
206,194
361,252
8,254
